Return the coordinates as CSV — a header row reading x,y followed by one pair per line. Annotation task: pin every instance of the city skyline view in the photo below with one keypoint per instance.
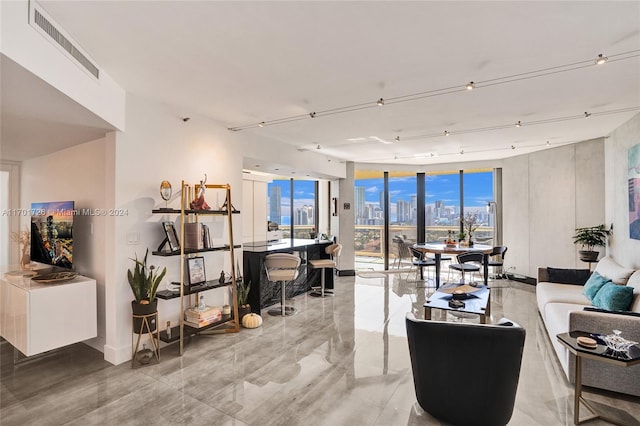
x,y
442,199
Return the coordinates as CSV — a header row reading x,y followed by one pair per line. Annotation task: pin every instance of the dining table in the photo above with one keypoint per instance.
x,y
438,249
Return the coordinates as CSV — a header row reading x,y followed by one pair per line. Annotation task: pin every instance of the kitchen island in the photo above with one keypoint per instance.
x,y
264,293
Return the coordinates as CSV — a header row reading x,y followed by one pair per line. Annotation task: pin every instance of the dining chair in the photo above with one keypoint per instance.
x,y
420,261
496,262
469,262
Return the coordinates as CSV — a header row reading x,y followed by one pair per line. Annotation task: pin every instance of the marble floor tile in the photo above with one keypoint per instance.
x,y
341,360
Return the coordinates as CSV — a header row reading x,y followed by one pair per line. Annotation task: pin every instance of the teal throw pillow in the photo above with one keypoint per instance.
x,y
594,284
614,297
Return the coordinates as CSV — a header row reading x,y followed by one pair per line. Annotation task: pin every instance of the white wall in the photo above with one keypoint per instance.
x,y
76,174
9,249
621,247
158,145
27,47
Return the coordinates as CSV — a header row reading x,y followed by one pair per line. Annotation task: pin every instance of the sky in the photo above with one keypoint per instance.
x,y
478,190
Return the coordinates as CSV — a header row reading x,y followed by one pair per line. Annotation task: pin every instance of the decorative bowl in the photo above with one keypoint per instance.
x,y
617,343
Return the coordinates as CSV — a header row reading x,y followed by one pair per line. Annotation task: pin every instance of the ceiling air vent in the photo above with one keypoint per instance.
x,y
46,27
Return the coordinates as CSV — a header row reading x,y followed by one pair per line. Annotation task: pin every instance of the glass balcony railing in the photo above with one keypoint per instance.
x,y
369,243
368,238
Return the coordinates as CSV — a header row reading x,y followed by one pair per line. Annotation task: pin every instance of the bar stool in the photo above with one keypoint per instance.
x,y
334,251
282,267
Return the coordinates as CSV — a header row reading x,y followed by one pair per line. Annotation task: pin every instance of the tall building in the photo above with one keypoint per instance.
x,y
359,201
275,206
413,209
403,209
304,215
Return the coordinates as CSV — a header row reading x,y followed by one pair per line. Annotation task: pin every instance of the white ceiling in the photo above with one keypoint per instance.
x,y
242,63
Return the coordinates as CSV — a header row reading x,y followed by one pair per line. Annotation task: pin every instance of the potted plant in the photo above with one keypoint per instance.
x,y
242,292
589,238
144,281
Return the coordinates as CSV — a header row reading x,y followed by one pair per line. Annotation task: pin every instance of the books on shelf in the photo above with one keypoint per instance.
x,y
197,236
201,318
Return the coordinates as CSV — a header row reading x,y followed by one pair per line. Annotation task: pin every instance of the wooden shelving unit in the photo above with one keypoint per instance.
x,y
228,323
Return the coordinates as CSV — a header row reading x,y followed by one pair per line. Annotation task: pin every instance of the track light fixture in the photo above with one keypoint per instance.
x,y
397,138
318,147
261,124
429,93
446,133
548,143
518,124
587,114
462,152
513,147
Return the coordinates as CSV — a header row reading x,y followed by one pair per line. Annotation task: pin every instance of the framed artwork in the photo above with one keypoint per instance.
x,y
171,236
195,270
634,192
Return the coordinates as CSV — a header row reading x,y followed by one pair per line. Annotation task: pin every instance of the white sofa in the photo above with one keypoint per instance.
x,y
562,309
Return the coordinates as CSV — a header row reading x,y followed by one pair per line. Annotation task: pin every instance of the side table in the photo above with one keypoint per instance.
x,y
145,328
600,353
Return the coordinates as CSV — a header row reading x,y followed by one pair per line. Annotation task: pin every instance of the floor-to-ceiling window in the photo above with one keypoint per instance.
x,y
402,205
292,205
304,209
442,209
369,216
478,194
449,196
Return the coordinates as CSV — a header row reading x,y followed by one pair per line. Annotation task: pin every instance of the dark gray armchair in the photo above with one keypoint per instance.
x,y
465,374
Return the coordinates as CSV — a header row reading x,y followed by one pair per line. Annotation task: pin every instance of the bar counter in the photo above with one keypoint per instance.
x,y
268,293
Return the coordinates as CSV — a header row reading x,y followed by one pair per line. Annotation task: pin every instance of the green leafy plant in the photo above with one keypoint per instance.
x,y
592,236
242,292
144,280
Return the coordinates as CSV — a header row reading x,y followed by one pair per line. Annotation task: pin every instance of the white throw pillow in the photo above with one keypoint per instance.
x,y
609,268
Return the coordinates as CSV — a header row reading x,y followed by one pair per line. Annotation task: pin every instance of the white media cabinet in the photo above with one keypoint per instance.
x,y
37,318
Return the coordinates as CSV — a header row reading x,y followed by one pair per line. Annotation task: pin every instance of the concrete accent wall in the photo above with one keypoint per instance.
x,y
623,249
515,212
547,195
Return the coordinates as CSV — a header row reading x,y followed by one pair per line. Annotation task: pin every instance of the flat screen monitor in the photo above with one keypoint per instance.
x,y
52,233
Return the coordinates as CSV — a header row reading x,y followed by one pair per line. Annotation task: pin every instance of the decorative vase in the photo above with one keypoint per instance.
x,y
140,309
144,355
